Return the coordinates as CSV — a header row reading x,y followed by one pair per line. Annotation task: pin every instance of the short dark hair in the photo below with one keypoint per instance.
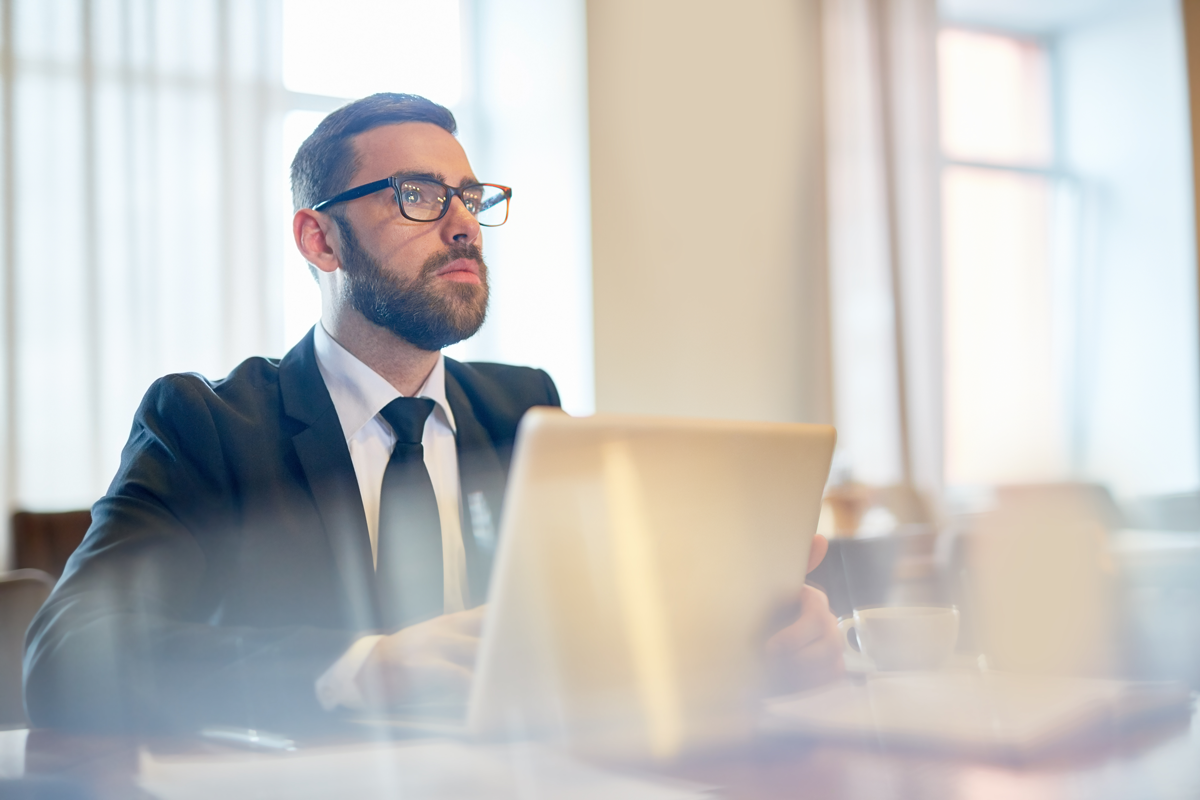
x,y
326,162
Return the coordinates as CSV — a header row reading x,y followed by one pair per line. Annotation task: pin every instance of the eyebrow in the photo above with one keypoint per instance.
x,y
433,175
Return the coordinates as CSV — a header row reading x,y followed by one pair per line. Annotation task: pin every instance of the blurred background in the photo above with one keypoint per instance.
x,y
964,234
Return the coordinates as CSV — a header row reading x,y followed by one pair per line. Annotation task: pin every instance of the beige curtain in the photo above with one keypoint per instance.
x,y
139,217
885,277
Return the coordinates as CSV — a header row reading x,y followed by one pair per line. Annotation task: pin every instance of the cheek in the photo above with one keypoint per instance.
x,y
405,255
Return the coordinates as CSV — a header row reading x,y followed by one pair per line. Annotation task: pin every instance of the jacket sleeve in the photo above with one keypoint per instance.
x,y
128,640
552,398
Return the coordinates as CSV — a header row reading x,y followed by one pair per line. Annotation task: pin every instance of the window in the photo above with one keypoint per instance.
x,y
1007,290
515,76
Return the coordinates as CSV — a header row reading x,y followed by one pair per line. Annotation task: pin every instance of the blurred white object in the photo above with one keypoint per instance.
x,y
876,522
640,561
903,637
1040,580
12,753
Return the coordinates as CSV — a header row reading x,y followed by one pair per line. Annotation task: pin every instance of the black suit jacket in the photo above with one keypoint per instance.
x,y
229,565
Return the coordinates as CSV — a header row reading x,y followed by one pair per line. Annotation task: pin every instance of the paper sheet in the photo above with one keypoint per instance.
x,y
12,753
434,770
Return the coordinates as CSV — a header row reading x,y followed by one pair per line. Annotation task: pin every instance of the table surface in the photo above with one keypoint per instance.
x,y
1161,760
1158,761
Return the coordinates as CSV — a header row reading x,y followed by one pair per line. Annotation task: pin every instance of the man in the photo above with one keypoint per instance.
x,y
315,533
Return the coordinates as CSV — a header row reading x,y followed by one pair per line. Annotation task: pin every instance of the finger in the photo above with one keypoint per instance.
x,y
817,663
814,598
445,679
411,644
796,636
431,681
814,622
460,650
817,551
469,622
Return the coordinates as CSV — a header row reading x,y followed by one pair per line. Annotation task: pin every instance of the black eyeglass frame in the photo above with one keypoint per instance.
x,y
395,182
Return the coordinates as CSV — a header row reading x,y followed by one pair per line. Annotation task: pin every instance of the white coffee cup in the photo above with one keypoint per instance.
x,y
903,637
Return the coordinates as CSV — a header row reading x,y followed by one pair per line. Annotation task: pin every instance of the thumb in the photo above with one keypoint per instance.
x,y
816,553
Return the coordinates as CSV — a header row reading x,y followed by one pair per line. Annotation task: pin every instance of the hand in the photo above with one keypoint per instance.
x,y
808,652
430,662
817,551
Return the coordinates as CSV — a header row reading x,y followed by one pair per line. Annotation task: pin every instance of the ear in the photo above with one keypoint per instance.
x,y
316,235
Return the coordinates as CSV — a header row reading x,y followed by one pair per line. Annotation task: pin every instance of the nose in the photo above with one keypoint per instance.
x,y
459,225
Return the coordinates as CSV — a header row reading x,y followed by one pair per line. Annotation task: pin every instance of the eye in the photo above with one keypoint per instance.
x,y
471,198
410,194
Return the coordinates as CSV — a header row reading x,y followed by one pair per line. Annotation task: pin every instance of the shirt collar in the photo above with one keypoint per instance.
x,y
359,392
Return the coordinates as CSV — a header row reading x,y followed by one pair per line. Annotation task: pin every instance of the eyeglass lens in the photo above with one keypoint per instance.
x,y
423,200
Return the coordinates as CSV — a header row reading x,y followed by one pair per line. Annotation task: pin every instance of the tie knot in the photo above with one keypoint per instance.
x,y
407,417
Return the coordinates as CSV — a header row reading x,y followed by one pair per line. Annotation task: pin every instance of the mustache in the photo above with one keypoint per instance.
x,y
452,253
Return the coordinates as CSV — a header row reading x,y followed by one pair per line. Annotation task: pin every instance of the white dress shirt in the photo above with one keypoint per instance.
x,y
358,394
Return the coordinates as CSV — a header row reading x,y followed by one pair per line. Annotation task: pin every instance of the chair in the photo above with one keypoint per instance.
x,y
46,540
21,594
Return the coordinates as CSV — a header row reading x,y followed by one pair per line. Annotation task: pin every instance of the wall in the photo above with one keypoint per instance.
x,y
1126,135
707,209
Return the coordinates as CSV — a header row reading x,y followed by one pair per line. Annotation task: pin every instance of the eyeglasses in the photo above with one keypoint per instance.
x,y
428,200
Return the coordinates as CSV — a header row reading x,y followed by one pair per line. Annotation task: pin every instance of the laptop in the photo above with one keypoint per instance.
x,y
639,562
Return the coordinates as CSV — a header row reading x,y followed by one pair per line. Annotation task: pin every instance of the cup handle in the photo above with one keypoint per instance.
x,y
844,627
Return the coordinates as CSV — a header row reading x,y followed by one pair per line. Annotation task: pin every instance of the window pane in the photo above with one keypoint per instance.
x,y
995,98
352,48
1004,400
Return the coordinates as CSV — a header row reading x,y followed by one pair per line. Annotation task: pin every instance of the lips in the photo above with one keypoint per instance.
x,y
461,270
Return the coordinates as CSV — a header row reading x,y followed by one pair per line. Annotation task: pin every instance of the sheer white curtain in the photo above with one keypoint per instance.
x,y
139,149
885,274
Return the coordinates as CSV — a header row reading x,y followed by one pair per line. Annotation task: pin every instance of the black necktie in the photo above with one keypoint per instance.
x,y
409,561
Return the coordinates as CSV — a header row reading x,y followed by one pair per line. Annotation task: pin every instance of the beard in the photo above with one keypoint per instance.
x,y
424,311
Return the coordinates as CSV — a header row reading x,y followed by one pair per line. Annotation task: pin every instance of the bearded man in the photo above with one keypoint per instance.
x,y
314,533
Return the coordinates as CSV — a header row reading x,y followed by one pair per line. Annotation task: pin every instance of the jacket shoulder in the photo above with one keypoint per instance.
x,y
505,385
241,393
188,419
500,394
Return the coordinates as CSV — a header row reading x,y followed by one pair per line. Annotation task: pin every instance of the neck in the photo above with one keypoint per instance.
x,y
399,362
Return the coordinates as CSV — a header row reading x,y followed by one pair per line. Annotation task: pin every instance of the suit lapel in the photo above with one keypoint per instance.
x,y
321,448
482,479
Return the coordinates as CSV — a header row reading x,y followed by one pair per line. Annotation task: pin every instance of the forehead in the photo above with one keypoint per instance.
x,y
410,147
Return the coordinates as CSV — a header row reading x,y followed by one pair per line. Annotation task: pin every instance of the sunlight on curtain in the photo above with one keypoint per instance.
x,y
884,264
142,138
